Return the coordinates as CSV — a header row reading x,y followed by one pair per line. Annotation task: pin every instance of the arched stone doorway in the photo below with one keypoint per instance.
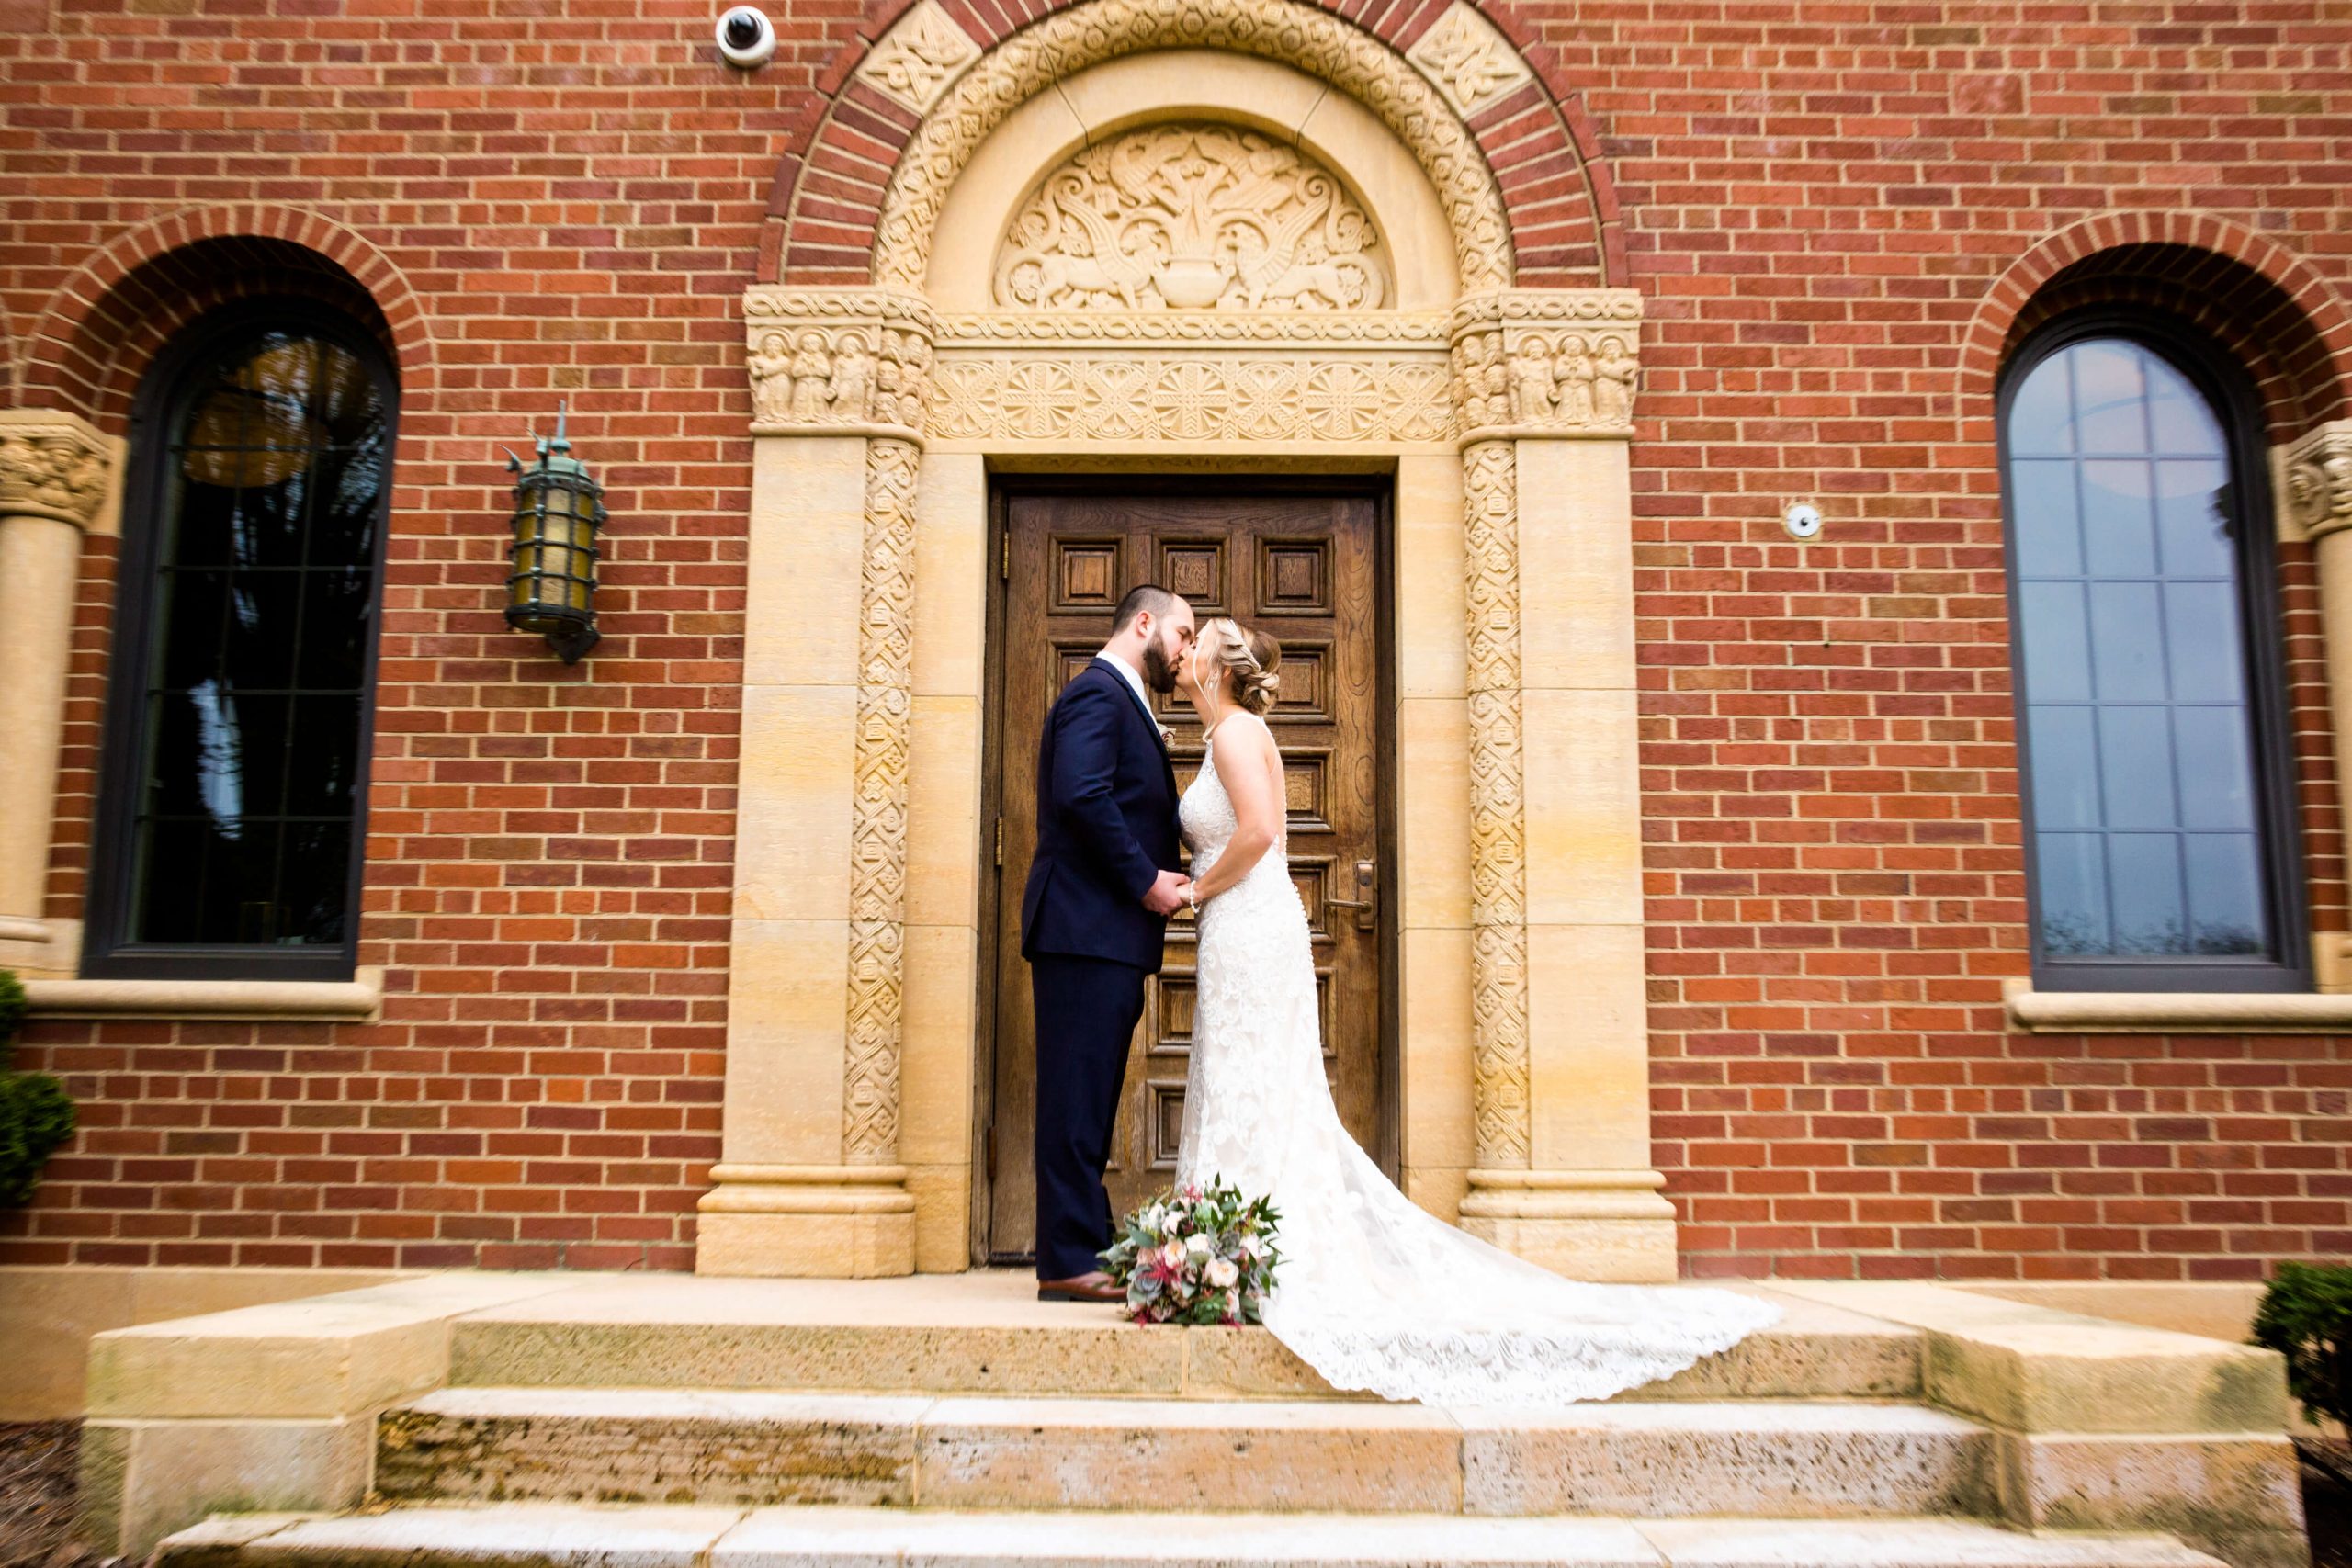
x,y
1173,237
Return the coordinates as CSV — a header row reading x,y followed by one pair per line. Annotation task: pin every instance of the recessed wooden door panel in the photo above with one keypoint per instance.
x,y
1301,567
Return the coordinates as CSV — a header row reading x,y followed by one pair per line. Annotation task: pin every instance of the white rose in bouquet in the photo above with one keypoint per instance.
x,y
1196,1257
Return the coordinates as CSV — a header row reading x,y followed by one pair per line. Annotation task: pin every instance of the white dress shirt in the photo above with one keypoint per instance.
x,y
1135,682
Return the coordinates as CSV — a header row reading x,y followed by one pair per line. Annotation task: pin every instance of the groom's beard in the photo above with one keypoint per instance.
x,y
1157,673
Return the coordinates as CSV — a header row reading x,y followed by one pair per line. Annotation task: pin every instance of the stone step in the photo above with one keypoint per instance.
x,y
1662,1459
986,1334
536,1535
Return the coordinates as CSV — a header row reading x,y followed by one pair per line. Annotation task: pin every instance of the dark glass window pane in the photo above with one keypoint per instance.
x,y
2110,396
2135,759
2046,488
2073,894
2139,717
2127,643
2196,535
262,614
2145,893
2057,634
2065,785
2225,893
2119,521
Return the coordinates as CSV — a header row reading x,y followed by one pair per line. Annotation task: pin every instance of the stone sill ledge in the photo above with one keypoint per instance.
x,y
2174,1012
357,999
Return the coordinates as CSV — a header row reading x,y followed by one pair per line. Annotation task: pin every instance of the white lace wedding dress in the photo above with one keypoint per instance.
x,y
1372,1291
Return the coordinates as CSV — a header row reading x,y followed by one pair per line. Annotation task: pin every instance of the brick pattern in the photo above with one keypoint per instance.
x,y
1841,215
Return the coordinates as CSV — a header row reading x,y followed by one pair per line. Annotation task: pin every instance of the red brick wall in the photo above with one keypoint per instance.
x,y
1834,210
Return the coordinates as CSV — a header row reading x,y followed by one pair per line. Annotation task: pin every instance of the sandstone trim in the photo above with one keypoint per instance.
x,y
2173,1012
357,999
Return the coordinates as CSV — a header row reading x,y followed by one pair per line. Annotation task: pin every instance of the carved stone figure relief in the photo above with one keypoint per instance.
x,y
1192,217
1518,371
60,473
1469,60
853,359
2319,480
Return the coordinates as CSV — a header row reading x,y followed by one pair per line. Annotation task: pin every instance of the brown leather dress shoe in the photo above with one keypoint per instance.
x,y
1094,1287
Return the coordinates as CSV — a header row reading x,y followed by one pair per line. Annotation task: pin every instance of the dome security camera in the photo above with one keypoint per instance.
x,y
746,37
1803,521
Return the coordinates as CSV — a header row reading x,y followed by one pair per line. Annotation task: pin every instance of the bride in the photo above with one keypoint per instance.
x,y
1372,1291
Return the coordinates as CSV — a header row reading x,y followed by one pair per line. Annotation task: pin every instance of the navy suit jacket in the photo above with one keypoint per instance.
x,y
1106,826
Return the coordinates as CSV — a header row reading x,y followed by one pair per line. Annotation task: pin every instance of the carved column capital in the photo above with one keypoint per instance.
x,y
57,466
838,361
2315,488
1546,362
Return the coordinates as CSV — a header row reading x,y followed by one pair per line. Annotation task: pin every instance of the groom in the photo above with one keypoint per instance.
x,y
1092,916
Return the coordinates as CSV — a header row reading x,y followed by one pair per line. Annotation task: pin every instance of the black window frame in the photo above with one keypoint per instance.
x,y
2230,390
175,378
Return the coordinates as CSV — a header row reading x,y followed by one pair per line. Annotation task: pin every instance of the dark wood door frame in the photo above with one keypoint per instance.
x,y
1380,488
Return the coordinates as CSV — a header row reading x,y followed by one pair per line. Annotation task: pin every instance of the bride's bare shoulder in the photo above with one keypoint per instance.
x,y
1243,731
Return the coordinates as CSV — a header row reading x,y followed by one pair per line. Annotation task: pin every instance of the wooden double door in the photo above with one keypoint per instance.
x,y
1303,564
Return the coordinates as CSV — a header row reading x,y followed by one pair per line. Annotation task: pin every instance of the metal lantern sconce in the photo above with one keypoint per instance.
x,y
557,510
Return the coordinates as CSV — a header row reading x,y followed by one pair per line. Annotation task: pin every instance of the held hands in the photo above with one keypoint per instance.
x,y
1166,895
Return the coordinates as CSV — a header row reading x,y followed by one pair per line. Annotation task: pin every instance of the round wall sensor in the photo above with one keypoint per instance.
x,y
746,37
1804,520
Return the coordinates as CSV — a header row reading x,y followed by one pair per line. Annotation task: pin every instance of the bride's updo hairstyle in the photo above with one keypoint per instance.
x,y
1252,658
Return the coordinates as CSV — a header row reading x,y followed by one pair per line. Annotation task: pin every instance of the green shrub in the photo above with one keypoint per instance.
x,y
2306,1317
36,1115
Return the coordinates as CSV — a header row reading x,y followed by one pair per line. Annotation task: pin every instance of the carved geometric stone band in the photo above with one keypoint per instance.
x,y
1499,1048
877,889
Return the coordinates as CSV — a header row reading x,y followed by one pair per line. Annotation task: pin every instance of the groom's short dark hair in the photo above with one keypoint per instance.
x,y
1145,598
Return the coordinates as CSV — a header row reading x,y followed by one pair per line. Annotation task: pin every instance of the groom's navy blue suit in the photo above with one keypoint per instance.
x,y
1106,827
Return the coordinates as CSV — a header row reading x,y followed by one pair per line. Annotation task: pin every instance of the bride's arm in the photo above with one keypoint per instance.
x,y
1249,769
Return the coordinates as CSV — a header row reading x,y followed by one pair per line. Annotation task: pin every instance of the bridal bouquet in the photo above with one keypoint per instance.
x,y
1198,1256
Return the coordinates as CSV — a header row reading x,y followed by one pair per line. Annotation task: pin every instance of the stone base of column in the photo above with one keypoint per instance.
x,y
1611,1225
821,1222
41,950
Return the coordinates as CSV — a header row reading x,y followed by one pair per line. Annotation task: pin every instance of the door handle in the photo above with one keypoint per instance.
x,y
1367,907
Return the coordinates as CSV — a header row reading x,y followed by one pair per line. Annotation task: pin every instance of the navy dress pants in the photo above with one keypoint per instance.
x,y
1087,1011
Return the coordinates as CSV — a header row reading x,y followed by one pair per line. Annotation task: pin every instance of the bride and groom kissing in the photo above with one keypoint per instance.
x,y
1374,1292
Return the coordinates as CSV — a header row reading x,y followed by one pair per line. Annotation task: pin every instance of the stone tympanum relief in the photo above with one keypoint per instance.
x,y
1316,41
1192,217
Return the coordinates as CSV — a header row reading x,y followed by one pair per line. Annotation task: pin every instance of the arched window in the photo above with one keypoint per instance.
x,y
233,788
2160,813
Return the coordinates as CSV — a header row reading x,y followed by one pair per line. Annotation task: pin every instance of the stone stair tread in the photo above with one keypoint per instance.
x,y
758,1405
513,1535
985,1332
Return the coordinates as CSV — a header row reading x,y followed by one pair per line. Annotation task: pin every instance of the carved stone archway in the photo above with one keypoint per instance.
x,y
1274,247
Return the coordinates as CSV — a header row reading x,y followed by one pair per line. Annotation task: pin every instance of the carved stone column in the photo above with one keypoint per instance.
x,y
2315,503
57,478
810,1182
1498,813
1543,387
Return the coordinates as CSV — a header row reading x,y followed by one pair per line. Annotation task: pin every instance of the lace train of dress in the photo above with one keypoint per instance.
x,y
1374,1292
